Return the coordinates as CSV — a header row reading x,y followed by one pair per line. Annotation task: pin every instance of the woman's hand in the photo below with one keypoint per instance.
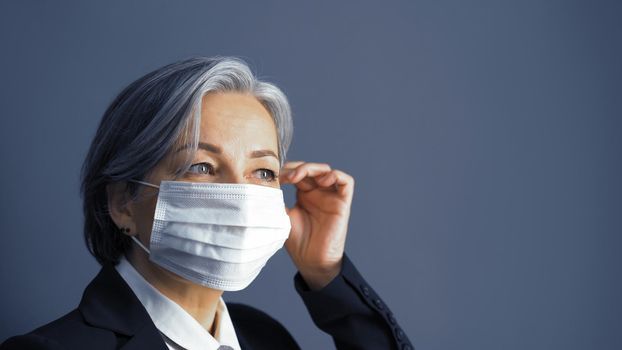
x,y
319,219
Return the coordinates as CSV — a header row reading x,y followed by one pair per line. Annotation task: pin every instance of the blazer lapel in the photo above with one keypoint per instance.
x,y
109,303
147,337
241,340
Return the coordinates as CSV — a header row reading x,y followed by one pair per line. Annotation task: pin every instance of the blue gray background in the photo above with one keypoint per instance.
x,y
485,138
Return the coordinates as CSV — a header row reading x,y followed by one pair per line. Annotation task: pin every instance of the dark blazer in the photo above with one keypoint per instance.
x,y
110,316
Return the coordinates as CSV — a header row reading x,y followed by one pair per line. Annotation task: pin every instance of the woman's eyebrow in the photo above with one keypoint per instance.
x,y
210,147
263,153
202,145
215,149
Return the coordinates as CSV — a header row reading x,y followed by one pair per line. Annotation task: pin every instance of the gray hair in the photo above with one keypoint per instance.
x,y
147,120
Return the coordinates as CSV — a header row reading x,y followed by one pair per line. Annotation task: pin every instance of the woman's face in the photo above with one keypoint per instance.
x,y
237,144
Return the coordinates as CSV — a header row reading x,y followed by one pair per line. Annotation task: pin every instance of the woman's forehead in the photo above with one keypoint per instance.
x,y
230,119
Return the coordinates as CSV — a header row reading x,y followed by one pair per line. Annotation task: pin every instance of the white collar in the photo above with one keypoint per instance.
x,y
173,321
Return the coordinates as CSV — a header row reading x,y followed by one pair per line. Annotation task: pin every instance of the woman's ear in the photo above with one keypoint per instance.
x,y
119,207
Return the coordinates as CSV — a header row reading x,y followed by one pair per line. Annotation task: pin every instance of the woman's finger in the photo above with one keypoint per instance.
x,y
287,169
292,164
308,170
306,184
326,179
308,176
342,182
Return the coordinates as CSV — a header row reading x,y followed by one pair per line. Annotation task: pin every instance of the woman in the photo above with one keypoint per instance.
x,y
182,202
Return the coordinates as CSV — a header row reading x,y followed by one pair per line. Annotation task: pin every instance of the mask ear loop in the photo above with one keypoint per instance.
x,y
141,245
136,240
145,183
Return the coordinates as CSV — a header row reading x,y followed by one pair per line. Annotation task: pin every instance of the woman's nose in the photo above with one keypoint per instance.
x,y
232,177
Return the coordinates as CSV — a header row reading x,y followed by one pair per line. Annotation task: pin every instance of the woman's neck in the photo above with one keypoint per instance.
x,y
199,301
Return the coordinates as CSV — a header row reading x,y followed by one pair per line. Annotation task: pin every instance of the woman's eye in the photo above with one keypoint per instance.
x,y
202,169
266,174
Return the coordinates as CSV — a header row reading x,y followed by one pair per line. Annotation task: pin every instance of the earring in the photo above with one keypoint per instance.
x,y
125,229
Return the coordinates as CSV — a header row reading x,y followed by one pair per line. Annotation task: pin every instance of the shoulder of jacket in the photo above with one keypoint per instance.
x,y
30,341
67,332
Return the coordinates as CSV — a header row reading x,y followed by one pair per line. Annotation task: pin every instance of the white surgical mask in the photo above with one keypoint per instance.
x,y
214,234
